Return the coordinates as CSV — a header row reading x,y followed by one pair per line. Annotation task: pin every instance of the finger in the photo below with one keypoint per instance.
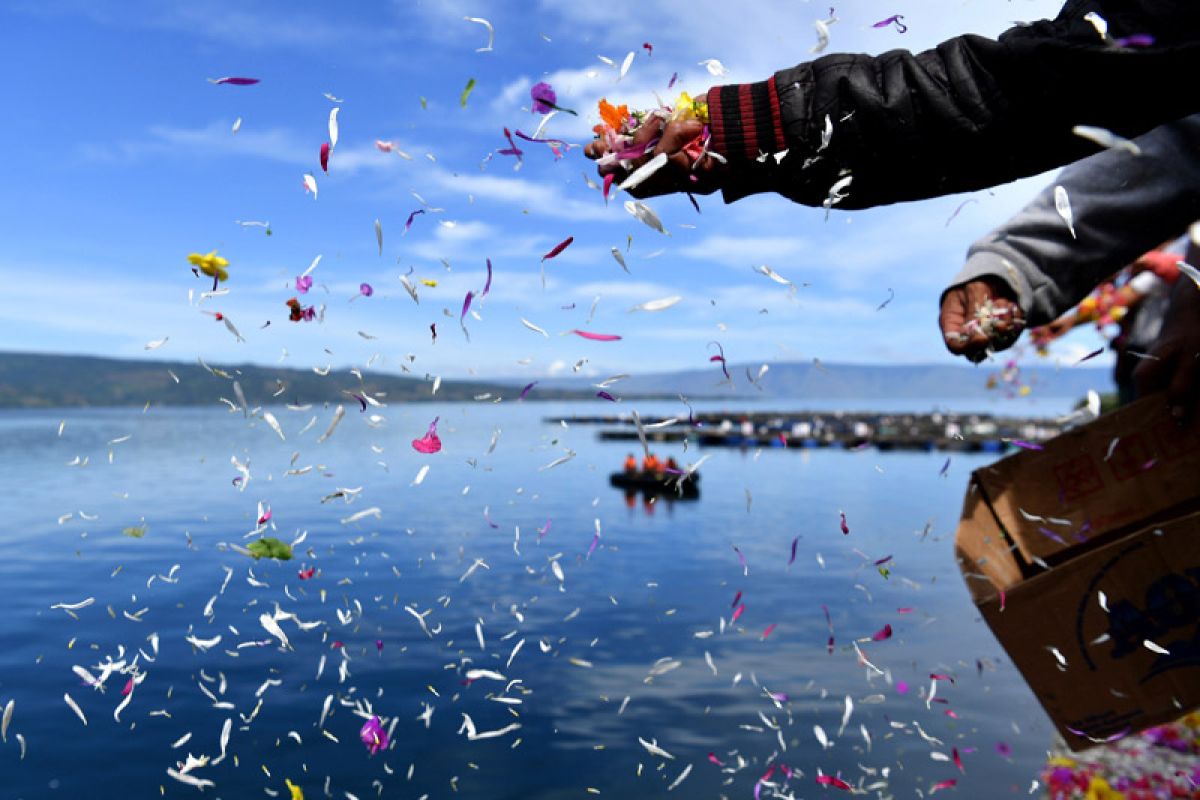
x,y
951,319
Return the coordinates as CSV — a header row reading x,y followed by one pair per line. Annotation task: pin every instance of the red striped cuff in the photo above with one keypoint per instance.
x,y
744,120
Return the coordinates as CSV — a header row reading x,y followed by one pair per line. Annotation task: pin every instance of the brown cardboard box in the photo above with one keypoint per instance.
x,y
1108,476
1106,629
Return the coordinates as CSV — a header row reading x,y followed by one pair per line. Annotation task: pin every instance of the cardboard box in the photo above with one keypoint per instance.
x,y
1096,480
1105,626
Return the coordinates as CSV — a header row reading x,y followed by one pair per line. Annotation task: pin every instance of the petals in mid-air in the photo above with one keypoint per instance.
x,y
558,248
231,81
596,337
429,443
491,33
211,265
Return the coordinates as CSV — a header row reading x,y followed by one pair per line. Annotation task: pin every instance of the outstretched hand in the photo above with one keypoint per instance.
x,y
980,316
689,167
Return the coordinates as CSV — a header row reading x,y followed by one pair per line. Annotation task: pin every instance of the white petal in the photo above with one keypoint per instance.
x,y
491,33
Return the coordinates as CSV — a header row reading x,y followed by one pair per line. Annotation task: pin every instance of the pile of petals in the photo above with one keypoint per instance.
x,y
1159,762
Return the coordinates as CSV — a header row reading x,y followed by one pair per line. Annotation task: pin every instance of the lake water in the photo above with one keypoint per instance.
x,y
628,643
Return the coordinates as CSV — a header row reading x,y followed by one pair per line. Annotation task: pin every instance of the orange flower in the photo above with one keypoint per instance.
x,y
614,117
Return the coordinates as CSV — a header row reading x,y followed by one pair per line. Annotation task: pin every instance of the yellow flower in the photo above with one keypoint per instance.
x,y
211,265
688,107
1099,789
297,792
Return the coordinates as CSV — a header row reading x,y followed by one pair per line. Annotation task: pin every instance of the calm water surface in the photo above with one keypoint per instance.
x,y
617,648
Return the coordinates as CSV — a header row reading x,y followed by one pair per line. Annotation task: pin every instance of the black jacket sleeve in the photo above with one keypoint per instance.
x,y
969,114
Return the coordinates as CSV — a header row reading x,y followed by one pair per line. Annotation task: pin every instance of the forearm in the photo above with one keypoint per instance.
x,y
1123,205
971,113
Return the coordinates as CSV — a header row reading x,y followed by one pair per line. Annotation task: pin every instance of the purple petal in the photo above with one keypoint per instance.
x,y
544,98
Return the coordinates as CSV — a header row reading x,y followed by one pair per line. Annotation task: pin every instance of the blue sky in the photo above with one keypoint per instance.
x,y
121,160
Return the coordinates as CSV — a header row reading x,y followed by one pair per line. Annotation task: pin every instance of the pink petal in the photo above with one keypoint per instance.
x,y
597,337
429,443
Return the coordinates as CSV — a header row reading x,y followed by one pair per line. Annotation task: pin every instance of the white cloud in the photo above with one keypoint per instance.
x,y
543,198
213,139
749,251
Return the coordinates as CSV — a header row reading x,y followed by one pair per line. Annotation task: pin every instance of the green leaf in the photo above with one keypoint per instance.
x,y
270,547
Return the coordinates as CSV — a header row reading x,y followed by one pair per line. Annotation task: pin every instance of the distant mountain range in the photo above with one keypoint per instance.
x,y
31,380
847,381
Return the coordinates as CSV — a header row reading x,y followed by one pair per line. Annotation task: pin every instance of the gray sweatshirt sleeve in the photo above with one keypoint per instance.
x,y
1123,205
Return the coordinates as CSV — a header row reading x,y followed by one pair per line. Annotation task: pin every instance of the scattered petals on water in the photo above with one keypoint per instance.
x,y
834,781
373,735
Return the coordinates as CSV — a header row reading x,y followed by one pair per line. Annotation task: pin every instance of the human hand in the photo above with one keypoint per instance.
x,y
689,167
1048,333
1173,363
980,316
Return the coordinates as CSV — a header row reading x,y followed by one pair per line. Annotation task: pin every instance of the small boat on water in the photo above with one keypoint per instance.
x,y
657,483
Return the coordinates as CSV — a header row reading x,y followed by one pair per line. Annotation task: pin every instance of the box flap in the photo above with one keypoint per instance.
x,y
985,553
1094,482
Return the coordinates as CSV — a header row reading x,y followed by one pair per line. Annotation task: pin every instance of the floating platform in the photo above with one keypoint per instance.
x,y
945,431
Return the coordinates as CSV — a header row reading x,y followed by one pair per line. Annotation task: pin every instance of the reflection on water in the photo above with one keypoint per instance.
x,y
608,620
